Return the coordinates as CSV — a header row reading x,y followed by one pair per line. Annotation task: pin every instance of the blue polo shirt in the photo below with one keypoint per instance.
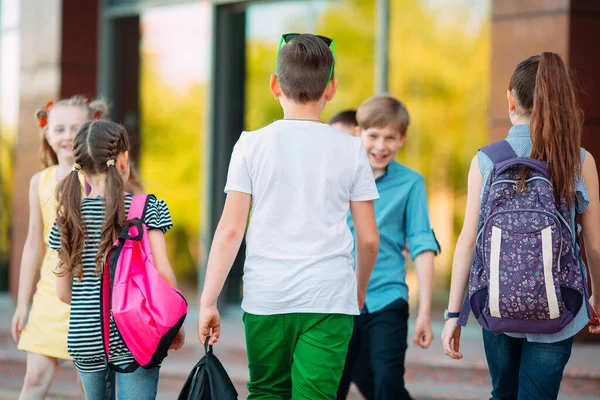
x,y
402,218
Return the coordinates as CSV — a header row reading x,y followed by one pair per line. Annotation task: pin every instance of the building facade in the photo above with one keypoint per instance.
x,y
187,77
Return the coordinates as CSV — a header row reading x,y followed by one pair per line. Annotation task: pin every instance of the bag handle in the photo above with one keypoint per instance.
x,y
208,349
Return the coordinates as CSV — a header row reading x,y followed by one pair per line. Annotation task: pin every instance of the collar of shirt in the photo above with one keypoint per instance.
x,y
389,171
521,130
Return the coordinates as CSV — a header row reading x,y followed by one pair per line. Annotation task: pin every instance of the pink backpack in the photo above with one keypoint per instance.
x,y
147,311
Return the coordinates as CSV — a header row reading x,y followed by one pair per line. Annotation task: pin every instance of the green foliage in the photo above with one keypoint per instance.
x,y
6,181
354,54
171,155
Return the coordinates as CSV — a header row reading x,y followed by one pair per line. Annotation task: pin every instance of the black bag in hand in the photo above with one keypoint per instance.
x,y
208,380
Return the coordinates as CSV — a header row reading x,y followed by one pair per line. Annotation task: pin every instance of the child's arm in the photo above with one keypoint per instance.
x,y
423,247
424,265
226,243
463,257
31,259
590,222
367,244
161,260
64,286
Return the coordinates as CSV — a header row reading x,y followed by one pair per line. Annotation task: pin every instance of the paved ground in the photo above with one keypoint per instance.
x,y
430,374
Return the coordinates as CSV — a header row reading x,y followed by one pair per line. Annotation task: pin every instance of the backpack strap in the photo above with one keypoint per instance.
x,y
138,206
499,151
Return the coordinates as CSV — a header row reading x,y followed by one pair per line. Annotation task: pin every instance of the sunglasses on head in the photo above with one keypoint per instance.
x,y
287,37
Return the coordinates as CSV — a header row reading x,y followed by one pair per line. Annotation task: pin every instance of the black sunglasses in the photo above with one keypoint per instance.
x,y
286,37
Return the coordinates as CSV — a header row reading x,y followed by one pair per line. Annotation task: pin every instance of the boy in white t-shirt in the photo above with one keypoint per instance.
x,y
300,289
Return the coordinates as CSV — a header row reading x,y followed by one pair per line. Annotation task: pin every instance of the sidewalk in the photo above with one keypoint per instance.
x,y
430,374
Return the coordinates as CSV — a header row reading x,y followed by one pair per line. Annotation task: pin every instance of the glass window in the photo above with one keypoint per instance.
x,y
350,23
439,66
9,13
9,119
175,51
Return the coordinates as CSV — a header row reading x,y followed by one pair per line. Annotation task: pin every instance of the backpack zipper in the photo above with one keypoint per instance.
x,y
513,181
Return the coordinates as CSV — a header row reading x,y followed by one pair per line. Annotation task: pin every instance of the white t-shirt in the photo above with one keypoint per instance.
x,y
302,176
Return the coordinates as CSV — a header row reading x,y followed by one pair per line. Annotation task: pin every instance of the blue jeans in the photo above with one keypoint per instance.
x,y
142,384
525,370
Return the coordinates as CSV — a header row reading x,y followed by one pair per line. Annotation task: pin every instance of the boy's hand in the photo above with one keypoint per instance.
x,y
209,324
179,340
423,333
362,294
451,339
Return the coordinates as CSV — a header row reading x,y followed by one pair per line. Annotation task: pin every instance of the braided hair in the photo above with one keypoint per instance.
x,y
96,148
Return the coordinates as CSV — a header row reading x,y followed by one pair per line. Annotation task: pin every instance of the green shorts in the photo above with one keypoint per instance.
x,y
296,356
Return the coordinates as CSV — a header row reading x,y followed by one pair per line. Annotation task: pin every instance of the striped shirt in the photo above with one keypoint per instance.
x,y
84,341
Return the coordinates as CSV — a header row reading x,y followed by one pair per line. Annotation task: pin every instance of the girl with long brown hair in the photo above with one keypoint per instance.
x,y
547,125
85,229
44,336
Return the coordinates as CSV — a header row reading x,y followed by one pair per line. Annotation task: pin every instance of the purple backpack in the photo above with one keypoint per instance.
x,y
526,276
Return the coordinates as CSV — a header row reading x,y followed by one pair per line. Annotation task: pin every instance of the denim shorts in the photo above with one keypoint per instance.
x,y
142,384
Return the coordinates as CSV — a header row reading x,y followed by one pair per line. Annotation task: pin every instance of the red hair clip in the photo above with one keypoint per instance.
x,y
44,119
48,106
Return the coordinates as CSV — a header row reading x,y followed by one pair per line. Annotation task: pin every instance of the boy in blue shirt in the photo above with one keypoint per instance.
x,y
378,346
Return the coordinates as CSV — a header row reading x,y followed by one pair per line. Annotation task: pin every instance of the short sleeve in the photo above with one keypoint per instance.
x,y
583,197
363,187
157,215
54,237
485,164
420,236
238,176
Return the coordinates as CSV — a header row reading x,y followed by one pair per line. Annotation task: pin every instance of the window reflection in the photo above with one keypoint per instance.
x,y
439,66
9,116
174,52
350,23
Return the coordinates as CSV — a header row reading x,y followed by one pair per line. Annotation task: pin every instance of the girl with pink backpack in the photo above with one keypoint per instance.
x,y
85,234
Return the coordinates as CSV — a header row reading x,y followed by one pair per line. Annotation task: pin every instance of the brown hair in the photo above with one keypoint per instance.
x,y
96,143
96,109
347,117
381,111
543,89
304,66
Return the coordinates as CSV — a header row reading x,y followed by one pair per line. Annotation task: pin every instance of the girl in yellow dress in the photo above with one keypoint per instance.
x,y
44,334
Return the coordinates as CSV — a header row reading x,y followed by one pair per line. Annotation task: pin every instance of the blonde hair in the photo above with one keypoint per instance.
x,y
96,109
383,110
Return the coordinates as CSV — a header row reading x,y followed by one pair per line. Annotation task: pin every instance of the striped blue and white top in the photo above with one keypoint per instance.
x,y
84,341
520,141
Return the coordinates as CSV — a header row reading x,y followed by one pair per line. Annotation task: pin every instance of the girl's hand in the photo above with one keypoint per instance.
x,y
209,324
179,340
18,322
595,323
451,339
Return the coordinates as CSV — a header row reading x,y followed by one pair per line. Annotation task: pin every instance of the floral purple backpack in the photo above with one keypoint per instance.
x,y
526,276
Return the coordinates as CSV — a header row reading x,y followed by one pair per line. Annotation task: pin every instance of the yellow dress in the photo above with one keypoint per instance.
x,y
48,323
